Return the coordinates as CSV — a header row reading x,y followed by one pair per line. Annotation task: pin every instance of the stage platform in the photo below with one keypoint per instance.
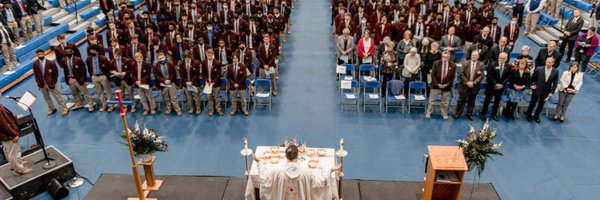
x,y
121,186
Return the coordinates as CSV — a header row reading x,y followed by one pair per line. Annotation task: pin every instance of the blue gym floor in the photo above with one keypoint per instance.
x,y
541,161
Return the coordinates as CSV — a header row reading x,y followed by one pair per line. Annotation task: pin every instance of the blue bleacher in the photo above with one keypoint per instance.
x,y
545,20
570,2
88,14
47,20
566,12
75,37
19,71
36,42
100,22
80,4
54,3
585,6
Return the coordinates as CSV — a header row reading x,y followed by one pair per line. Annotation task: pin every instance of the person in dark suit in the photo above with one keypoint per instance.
x,y
442,79
106,6
497,76
211,72
46,76
546,53
543,83
485,38
571,32
236,76
9,135
502,47
120,68
75,76
519,79
189,71
471,76
481,49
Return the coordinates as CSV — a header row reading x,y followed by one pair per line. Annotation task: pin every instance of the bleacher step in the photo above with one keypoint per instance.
x,y
59,15
553,31
81,26
537,39
65,19
545,35
51,11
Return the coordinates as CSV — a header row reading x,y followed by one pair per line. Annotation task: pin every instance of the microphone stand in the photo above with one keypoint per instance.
x,y
50,163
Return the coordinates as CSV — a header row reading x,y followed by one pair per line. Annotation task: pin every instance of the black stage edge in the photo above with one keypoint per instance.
x,y
121,186
29,185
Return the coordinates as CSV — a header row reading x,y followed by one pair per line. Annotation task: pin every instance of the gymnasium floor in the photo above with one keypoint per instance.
x,y
541,161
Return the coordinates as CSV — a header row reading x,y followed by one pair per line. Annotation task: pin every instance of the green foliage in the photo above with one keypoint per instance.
x,y
479,146
146,141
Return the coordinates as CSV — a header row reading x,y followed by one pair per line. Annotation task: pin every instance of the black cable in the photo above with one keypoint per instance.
x,y
84,178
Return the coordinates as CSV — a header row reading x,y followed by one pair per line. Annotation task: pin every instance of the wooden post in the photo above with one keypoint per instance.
x,y
151,183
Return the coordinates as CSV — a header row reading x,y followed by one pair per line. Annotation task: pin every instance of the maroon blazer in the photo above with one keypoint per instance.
x,y
151,51
120,37
140,47
240,79
264,59
111,55
126,66
196,51
194,72
219,57
145,72
160,78
9,128
247,59
215,74
79,70
60,51
50,75
101,52
496,37
102,61
387,31
514,37
175,50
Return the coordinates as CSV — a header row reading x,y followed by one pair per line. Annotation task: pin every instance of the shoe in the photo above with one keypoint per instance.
x,y
24,162
91,109
198,111
274,93
456,116
102,109
495,118
211,112
483,117
22,172
111,108
232,113
537,120
471,117
555,117
191,111
50,112
179,113
124,109
167,112
445,116
562,119
145,112
77,107
245,112
529,118
153,111
428,116
220,112
132,109
65,112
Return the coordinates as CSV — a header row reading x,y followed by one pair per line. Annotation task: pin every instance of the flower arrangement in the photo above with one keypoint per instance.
x,y
479,146
146,141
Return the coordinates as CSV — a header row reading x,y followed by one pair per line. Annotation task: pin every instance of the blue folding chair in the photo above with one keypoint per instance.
x,y
372,95
366,68
262,97
394,101
420,90
350,96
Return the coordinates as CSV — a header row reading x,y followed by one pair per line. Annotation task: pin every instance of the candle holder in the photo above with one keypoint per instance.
x,y
246,153
341,153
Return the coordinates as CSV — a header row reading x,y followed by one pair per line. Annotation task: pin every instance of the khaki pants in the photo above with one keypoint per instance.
x,y
124,87
531,21
63,3
46,93
26,23
170,96
213,100
76,89
233,93
193,98
14,27
146,93
273,80
103,89
8,52
12,150
443,104
38,20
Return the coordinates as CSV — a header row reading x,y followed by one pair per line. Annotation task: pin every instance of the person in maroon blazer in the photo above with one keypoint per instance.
x,y
59,50
189,71
199,49
266,57
114,32
93,40
222,53
141,75
165,75
99,69
178,48
190,33
149,36
114,46
346,23
90,31
442,79
75,75
245,57
170,34
211,72
120,70
135,46
436,28
152,54
9,135
46,76
383,29
511,31
236,76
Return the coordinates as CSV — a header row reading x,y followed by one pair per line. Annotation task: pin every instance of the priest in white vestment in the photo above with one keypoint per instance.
x,y
293,181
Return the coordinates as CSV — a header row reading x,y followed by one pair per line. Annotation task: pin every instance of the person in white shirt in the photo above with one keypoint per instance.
x,y
293,180
570,83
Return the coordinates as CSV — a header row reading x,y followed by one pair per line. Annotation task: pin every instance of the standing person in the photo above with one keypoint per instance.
x,y
266,58
7,42
543,82
546,52
36,12
497,76
404,46
365,47
141,75
518,11
471,76
344,47
59,50
571,33
451,42
46,77
99,69
12,20
189,70
533,8
211,72
75,75
9,135
442,78
236,76
24,9
511,32
570,83
519,79
500,48
165,74
390,63
433,55
412,64
120,68
106,6
586,45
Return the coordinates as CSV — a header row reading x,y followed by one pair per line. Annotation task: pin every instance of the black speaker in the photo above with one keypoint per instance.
x,y
57,190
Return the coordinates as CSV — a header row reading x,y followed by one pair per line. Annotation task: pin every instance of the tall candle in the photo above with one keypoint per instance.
x,y
245,143
342,144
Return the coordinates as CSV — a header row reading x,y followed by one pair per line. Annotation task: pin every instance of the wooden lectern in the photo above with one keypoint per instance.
x,y
446,167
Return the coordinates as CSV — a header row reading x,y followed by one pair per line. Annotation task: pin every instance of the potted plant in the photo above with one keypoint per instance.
x,y
145,142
